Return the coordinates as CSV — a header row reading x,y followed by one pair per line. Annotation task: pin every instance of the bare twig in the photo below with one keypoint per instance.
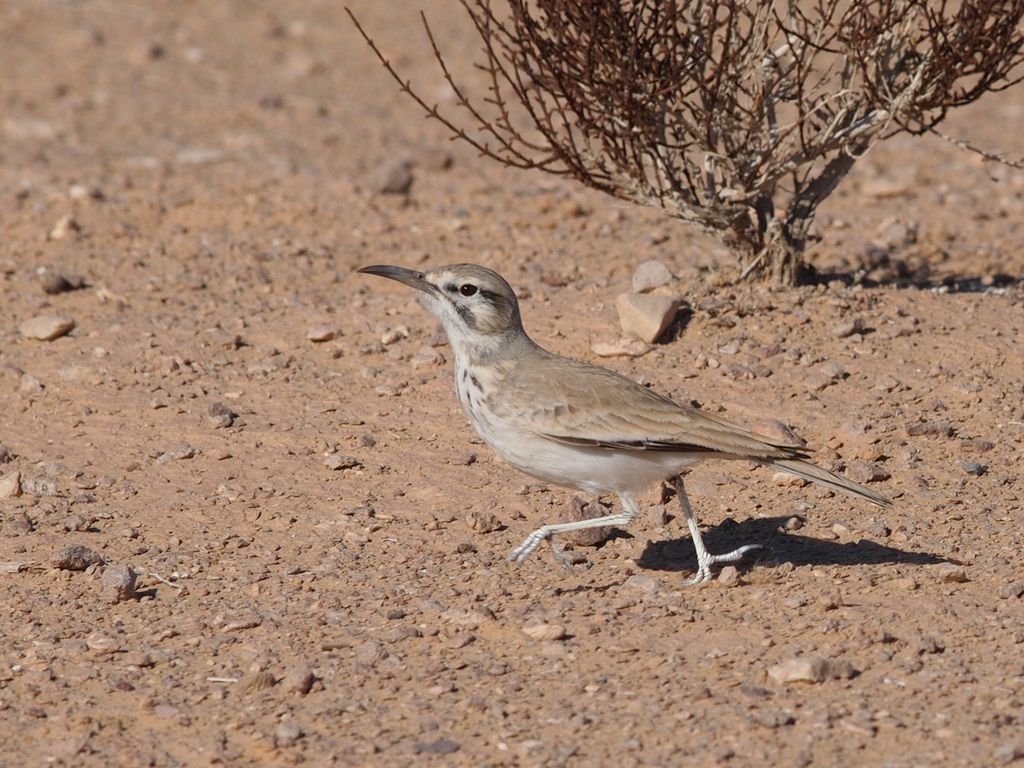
x,y
739,117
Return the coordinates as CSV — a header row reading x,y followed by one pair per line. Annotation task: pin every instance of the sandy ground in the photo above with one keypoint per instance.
x,y
315,584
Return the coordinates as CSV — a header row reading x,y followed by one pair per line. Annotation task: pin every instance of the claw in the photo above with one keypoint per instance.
x,y
704,563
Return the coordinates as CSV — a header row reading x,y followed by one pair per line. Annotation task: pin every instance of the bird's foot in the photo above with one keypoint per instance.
x,y
530,544
705,560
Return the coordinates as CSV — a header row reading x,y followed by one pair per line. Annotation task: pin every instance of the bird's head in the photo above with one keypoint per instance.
x,y
476,306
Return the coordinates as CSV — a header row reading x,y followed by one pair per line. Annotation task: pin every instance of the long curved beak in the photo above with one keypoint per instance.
x,y
409,277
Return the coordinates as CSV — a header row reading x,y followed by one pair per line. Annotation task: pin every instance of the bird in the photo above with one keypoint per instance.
x,y
570,423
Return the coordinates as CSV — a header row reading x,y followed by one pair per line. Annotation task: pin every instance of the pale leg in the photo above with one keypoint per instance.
x,y
704,558
545,532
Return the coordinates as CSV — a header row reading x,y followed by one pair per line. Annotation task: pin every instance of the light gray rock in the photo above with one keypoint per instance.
x,y
646,316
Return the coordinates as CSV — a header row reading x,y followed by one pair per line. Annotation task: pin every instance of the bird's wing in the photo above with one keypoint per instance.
x,y
582,404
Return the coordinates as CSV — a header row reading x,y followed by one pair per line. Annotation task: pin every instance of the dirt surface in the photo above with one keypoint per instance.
x,y
308,521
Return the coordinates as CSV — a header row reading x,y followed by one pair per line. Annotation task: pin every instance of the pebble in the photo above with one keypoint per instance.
x,y
1013,589
975,468
118,584
10,485
65,226
779,432
53,282
729,576
30,385
649,275
847,328
19,523
286,734
393,177
823,376
427,357
543,631
951,573
930,429
321,333
46,327
369,653
219,415
482,522
298,679
584,510
392,335
176,452
622,347
40,486
784,478
863,472
810,669
646,316
642,583
101,643
76,557
337,461
436,747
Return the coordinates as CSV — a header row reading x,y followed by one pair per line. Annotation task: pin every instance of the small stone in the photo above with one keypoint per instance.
x,y
321,333
46,327
584,510
100,643
369,653
975,468
793,523
436,747
118,584
784,478
729,576
30,385
258,681
65,226
76,557
544,632
779,432
336,461
427,357
392,335
649,275
624,346
177,452
811,669
642,583
1009,753
286,734
219,415
863,472
930,429
10,485
818,378
53,282
298,679
40,486
951,573
393,177
482,522
138,659
1013,589
646,316
19,523
847,328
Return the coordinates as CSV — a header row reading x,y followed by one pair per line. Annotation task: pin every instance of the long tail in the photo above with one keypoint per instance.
x,y
816,474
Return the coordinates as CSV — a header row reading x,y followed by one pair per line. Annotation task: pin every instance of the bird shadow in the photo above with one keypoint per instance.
x,y
779,546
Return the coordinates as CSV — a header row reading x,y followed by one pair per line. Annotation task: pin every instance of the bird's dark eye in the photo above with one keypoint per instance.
x,y
467,289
